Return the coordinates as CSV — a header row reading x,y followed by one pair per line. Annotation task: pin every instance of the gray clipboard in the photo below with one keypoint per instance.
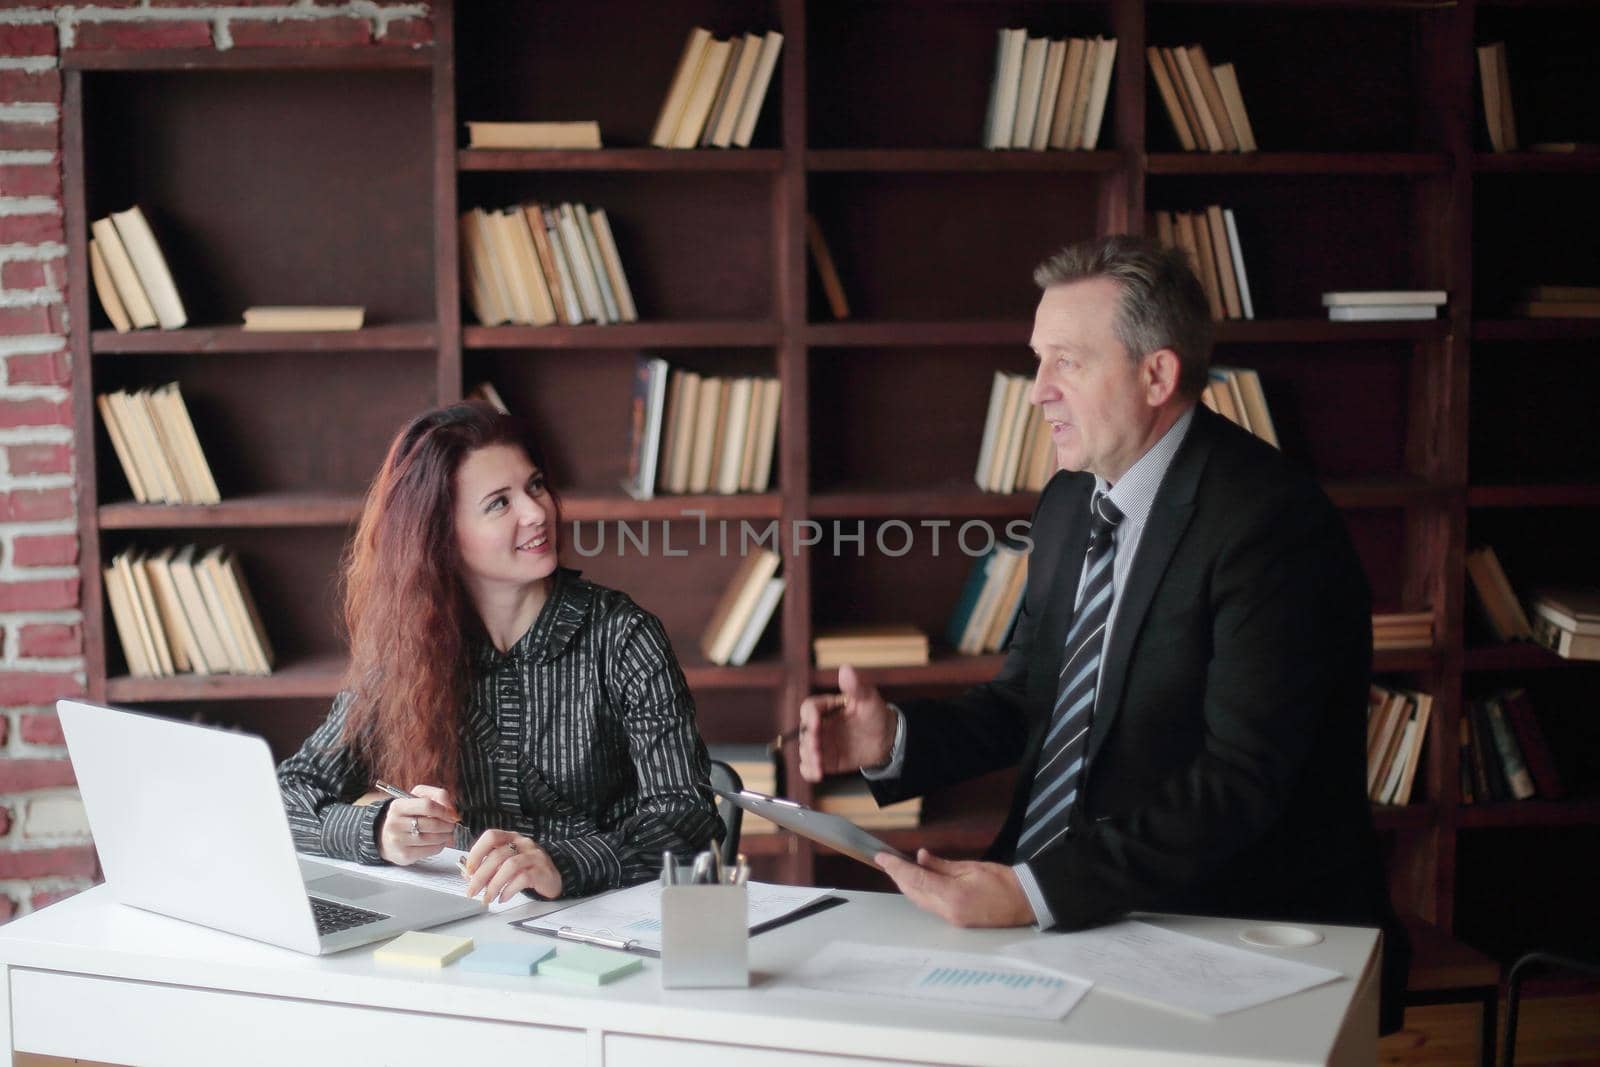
x,y
835,831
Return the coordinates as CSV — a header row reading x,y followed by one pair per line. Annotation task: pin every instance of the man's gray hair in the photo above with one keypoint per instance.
x,y
1162,304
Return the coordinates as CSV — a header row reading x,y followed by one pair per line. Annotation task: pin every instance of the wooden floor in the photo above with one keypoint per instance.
x,y
1553,1032
1562,1030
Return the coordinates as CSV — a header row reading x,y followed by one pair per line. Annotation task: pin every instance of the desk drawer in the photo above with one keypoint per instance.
x,y
627,1050
128,1022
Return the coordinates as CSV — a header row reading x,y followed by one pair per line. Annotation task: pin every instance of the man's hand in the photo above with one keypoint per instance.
x,y
843,731
961,892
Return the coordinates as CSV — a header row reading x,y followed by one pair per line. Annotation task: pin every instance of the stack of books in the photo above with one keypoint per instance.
x,y
1567,622
178,611
883,645
1048,94
533,135
990,601
1211,239
850,796
1202,101
1397,730
717,91
156,445
1235,393
1560,302
743,611
1504,753
1404,629
1017,454
1501,608
130,274
1495,78
1383,305
758,772
701,434
536,265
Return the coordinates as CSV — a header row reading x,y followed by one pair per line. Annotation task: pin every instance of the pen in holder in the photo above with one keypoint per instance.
x,y
705,932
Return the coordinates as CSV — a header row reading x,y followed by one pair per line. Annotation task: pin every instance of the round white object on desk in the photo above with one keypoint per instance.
x,y
1280,936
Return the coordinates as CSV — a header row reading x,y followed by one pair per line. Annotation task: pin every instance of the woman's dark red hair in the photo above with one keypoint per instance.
x,y
410,622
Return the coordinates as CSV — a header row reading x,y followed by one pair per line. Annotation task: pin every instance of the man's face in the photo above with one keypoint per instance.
x,y
1096,400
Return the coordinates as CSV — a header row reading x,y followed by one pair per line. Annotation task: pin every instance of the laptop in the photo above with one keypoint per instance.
x,y
189,823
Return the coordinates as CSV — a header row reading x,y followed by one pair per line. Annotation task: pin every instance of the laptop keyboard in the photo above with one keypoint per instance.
x,y
331,917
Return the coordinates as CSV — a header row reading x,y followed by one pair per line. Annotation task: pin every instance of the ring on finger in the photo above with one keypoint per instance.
x,y
415,831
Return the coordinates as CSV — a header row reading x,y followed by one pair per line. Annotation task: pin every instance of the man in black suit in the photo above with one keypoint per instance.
x,y
1185,692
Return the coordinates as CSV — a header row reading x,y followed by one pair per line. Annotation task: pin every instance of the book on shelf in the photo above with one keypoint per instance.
x,y
1466,782
1494,78
1210,238
1518,780
851,796
1568,644
1531,742
143,253
718,435
125,287
1397,726
1383,313
1569,608
717,91
537,265
106,290
1236,394
873,645
1016,452
1211,95
737,606
157,447
1227,80
1389,305
1559,309
292,318
990,601
1489,781
1501,608
1048,93
827,271
1401,630
486,392
1169,98
174,614
1210,133
534,135
644,426
756,625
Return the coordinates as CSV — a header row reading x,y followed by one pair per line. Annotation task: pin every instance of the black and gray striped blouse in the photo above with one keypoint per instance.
x,y
580,736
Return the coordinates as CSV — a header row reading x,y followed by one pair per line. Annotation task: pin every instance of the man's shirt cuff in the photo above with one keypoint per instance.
x,y
897,751
1030,889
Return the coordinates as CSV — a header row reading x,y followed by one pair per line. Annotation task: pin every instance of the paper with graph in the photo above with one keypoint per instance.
x,y
1174,970
959,981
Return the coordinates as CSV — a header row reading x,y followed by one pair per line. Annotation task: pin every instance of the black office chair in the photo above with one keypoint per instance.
x,y
727,779
1587,964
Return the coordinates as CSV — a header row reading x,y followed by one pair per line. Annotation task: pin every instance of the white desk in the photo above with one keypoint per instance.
x,y
90,978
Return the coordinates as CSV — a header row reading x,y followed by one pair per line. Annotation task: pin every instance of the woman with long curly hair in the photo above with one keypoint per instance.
x,y
538,719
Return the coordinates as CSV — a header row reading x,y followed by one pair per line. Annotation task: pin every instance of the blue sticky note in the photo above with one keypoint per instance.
x,y
582,965
506,957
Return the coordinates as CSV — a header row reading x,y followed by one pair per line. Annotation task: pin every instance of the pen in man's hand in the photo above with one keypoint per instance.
x,y
791,736
400,794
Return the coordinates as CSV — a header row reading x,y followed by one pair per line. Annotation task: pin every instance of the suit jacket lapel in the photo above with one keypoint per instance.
x,y
1169,518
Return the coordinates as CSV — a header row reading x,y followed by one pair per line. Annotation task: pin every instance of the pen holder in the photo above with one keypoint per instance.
x,y
705,936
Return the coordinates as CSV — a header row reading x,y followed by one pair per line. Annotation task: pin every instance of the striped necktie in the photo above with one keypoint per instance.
x,y
1055,782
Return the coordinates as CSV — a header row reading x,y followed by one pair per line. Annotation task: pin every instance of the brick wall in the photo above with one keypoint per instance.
x,y
45,849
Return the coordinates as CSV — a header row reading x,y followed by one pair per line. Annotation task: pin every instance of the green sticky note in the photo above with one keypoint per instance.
x,y
582,965
416,949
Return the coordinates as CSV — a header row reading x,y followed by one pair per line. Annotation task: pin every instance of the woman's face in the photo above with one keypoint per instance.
x,y
505,521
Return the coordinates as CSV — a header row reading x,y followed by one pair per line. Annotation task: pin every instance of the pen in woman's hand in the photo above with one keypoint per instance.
x,y
400,794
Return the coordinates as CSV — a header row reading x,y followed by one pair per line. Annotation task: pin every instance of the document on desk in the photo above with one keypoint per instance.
x,y
962,981
437,872
633,915
1172,970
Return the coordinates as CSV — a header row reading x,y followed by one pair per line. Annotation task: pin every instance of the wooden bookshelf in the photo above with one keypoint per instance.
x,y
337,174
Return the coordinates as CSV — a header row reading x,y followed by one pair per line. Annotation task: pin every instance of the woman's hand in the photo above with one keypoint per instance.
x,y
417,828
502,863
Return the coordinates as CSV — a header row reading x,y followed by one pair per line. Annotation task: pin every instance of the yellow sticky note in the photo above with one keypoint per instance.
x,y
416,949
